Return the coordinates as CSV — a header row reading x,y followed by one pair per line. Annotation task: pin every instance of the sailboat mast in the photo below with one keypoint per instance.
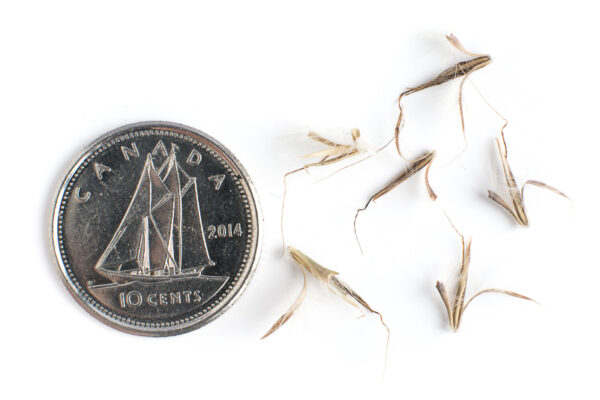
x,y
179,211
144,254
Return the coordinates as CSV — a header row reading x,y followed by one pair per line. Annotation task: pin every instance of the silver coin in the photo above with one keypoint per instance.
x,y
156,229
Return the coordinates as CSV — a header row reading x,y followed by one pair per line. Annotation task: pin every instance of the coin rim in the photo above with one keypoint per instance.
x,y
145,330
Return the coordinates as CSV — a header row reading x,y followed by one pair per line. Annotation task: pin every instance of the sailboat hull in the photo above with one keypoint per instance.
x,y
125,277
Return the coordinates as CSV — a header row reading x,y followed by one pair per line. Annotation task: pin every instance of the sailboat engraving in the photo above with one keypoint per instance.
x,y
160,236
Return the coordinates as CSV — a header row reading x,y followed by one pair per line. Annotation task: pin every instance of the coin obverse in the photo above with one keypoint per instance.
x,y
156,229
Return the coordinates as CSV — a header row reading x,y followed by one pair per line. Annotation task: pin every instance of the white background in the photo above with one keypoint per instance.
x,y
257,76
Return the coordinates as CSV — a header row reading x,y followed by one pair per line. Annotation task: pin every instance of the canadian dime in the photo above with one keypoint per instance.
x,y
156,229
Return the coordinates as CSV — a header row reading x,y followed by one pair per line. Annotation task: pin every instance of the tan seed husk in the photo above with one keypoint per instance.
x,y
463,68
335,152
456,309
330,279
516,195
424,161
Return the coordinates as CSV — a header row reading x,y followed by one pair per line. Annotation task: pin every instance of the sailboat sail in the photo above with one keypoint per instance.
x,y
163,219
